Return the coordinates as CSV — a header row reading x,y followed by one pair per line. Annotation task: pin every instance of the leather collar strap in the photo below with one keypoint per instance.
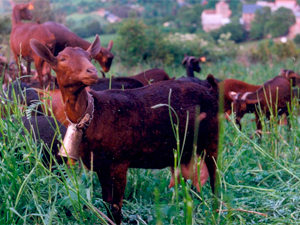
x,y
85,120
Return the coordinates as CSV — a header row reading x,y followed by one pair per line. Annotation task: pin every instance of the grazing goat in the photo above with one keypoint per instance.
x,y
274,96
151,76
19,41
130,128
191,64
231,85
66,38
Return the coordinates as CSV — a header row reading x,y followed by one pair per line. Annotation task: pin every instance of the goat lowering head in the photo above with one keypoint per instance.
x,y
241,105
105,57
66,38
273,97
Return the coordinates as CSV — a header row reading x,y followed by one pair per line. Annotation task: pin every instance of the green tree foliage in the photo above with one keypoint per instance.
x,y
131,41
280,22
188,18
297,39
270,51
258,24
137,43
238,33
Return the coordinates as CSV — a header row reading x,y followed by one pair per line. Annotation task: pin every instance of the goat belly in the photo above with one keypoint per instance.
x,y
126,127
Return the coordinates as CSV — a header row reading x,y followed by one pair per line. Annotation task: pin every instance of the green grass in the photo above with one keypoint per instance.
x,y
259,178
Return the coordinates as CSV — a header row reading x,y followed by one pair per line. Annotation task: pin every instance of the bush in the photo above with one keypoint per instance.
x,y
297,39
131,42
5,25
88,29
238,33
137,43
270,51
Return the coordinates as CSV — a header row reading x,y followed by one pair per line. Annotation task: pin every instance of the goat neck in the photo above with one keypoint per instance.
x,y
76,104
21,11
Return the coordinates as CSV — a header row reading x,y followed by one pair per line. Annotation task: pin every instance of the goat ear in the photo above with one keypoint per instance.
x,y
202,59
110,45
42,51
95,47
232,95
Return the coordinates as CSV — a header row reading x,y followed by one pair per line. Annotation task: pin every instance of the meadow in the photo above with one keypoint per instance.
x,y
258,178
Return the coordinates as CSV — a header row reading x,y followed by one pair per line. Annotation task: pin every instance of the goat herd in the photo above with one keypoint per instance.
x,y
140,120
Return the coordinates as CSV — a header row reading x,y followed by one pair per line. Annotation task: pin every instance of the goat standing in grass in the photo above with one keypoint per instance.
x,y
123,130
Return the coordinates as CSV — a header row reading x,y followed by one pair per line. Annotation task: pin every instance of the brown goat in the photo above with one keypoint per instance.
x,y
231,85
274,96
66,38
151,76
125,130
54,98
19,41
291,75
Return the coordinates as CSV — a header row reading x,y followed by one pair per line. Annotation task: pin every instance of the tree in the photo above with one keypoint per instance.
x,y
131,41
188,18
238,33
262,16
280,22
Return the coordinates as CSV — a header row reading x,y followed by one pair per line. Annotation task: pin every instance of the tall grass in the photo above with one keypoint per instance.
x,y
259,178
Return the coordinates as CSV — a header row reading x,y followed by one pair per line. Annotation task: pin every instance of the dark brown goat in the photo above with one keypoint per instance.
x,y
191,63
54,98
126,130
291,75
231,85
19,41
43,128
274,96
151,76
66,38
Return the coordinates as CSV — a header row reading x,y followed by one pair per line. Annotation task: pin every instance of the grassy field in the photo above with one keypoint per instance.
x,y
258,178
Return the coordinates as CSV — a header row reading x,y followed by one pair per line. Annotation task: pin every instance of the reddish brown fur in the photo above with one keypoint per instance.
x,y
64,37
275,92
19,41
291,75
232,85
151,76
127,132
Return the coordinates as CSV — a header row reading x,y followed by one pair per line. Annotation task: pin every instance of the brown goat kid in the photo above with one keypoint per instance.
x,y
126,131
19,41
66,38
231,85
274,96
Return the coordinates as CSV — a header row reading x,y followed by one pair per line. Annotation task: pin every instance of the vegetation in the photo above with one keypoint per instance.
x,y
258,178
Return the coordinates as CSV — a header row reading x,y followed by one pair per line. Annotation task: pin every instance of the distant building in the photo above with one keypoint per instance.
x,y
248,14
290,4
215,18
112,18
